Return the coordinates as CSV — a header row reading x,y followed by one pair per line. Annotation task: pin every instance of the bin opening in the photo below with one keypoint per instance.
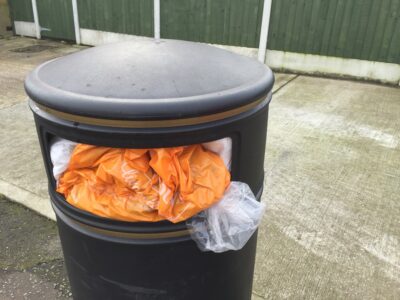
x,y
142,184
176,184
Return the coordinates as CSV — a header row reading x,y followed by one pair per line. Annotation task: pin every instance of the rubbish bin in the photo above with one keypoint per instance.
x,y
151,94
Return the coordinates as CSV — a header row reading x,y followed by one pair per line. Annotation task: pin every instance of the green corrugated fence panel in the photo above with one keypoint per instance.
x,y
360,29
21,10
122,16
227,22
55,19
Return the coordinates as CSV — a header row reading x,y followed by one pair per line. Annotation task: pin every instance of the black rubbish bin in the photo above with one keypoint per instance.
x,y
150,94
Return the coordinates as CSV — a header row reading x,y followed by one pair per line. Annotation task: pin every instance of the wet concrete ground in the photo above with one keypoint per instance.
x,y
31,263
332,187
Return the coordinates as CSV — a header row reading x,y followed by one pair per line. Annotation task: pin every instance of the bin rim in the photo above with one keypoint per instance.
x,y
118,123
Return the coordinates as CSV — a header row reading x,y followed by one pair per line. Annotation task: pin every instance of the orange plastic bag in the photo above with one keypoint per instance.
x,y
144,184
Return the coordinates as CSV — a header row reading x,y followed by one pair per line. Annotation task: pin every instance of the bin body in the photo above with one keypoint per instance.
x,y
102,267
109,259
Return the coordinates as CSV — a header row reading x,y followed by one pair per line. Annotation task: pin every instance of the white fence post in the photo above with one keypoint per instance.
x,y
36,19
157,19
76,21
262,48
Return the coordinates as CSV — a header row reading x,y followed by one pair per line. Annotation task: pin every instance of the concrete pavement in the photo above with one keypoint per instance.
x,y
332,186
31,262
22,176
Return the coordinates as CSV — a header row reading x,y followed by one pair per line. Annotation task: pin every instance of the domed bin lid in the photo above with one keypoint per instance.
x,y
149,80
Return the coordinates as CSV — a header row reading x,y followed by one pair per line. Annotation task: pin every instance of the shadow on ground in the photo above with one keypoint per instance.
x,y
31,263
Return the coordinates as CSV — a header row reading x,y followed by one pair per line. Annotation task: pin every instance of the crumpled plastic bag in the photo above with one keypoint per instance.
x,y
144,184
230,223
60,154
191,180
222,147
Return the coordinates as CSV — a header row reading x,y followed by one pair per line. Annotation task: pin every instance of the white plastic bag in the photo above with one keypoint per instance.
x,y
230,223
222,147
60,154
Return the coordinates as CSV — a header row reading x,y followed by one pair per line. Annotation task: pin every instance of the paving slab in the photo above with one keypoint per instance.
x,y
12,91
19,56
332,227
282,79
22,176
31,263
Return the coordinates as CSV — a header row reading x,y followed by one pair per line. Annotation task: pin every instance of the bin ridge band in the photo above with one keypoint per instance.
x,y
131,235
119,234
151,123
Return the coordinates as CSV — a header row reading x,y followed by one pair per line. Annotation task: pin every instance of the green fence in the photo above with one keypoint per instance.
x,y
360,29
21,10
56,19
122,16
226,22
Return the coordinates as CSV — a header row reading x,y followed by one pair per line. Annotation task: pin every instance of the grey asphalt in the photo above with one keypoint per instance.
x,y
332,189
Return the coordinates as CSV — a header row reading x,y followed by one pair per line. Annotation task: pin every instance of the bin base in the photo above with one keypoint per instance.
x,y
100,267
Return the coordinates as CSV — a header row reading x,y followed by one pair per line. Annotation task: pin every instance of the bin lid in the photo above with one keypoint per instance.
x,y
149,80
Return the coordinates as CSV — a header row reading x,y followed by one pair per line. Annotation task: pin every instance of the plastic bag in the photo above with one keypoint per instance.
x,y
144,184
228,224
112,183
191,180
60,154
222,147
